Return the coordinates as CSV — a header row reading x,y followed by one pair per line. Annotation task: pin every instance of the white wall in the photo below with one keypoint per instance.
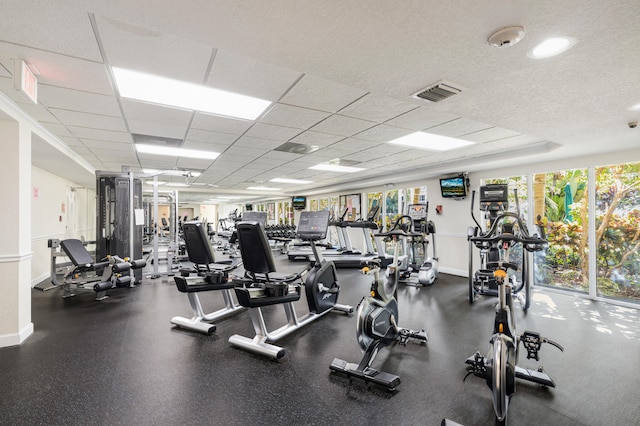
x,y
59,209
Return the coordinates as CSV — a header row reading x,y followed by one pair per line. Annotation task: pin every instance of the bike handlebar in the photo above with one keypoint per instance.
x,y
397,231
529,243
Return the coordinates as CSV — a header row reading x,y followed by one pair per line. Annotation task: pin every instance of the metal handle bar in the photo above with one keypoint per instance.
x,y
529,243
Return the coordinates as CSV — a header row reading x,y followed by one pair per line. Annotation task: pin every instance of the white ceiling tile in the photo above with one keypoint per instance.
x,y
81,119
205,146
39,112
377,108
197,135
247,76
316,138
293,116
60,70
459,127
214,123
102,135
108,145
140,49
58,129
324,95
41,26
193,163
157,129
342,126
71,142
421,118
491,134
352,144
273,132
382,133
75,100
259,143
246,151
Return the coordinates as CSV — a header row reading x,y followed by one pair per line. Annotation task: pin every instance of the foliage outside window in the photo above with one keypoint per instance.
x,y
392,211
313,205
375,199
323,204
560,199
618,231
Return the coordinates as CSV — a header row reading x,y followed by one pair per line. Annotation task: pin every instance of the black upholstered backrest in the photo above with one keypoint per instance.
x,y
76,251
198,248
254,248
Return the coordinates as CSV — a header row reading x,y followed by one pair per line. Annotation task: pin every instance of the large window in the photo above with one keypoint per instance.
x,y
392,210
560,201
375,199
617,215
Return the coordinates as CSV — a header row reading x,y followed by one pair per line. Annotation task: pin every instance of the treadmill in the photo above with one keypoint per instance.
x,y
350,258
301,250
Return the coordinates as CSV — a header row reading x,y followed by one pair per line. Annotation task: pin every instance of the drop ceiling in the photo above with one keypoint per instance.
x,y
340,76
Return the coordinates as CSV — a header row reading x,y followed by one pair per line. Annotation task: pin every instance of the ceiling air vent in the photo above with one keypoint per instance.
x,y
438,92
297,148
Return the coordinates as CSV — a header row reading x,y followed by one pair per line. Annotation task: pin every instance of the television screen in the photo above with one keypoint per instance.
x,y
299,203
453,187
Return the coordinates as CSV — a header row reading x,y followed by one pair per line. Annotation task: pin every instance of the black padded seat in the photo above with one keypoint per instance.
x,y
260,269
79,255
201,255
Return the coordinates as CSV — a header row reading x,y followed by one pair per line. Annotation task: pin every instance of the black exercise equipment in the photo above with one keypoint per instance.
x,y
87,274
118,233
262,286
499,368
377,324
416,258
494,202
209,275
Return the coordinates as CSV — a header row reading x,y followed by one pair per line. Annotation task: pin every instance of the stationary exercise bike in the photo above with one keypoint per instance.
x,y
499,368
377,324
262,286
494,202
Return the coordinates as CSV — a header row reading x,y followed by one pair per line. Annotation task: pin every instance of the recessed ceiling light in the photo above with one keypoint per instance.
x,y
285,180
176,184
176,152
552,47
635,107
179,94
263,188
336,168
424,140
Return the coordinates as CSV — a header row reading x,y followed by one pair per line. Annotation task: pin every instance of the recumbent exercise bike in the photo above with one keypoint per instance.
x,y
262,286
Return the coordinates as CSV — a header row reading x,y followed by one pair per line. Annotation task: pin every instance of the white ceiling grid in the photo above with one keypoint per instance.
x,y
334,83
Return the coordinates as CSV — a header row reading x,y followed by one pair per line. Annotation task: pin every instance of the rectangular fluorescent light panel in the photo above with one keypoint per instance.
x,y
176,152
294,181
170,172
179,94
424,140
263,188
336,168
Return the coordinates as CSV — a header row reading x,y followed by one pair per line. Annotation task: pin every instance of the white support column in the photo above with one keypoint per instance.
x,y
15,233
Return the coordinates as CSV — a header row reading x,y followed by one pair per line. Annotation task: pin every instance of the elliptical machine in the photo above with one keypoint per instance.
x,y
377,325
500,367
494,202
415,249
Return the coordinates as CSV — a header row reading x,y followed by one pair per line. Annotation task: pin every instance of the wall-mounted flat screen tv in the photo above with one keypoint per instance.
x,y
299,203
453,187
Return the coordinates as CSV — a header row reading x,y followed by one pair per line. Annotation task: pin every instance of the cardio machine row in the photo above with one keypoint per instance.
x,y
261,285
